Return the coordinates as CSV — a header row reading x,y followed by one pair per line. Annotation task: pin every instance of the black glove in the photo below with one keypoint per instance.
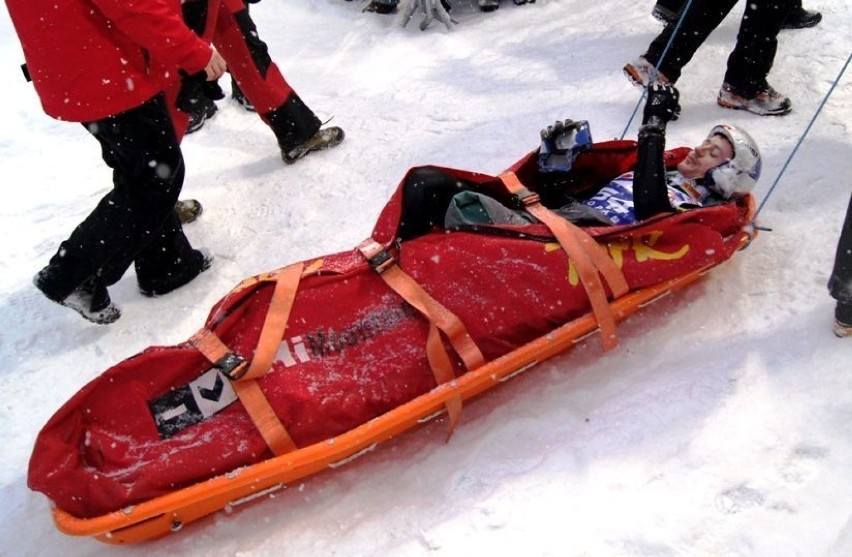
x,y
193,88
662,104
561,143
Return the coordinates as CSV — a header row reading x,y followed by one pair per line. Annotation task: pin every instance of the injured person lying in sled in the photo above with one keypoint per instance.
x,y
725,166
306,366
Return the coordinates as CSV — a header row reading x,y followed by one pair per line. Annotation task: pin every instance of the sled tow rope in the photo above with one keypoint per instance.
x,y
801,139
440,320
589,257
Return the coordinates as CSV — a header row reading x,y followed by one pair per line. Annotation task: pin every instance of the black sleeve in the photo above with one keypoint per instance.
x,y
650,194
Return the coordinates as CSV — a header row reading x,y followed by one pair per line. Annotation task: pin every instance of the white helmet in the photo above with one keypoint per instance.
x,y
736,177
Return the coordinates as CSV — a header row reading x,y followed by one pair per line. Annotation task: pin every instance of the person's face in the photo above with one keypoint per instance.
x,y
714,151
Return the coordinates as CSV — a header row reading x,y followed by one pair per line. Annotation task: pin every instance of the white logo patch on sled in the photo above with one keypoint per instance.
x,y
285,354
192,403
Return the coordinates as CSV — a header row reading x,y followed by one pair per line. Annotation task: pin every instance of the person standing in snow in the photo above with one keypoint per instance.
x,y
667,11
113,66
228,26
201,100
745,86
726,165
840,282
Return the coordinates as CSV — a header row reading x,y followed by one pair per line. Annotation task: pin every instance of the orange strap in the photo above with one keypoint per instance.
x,y
413,293
439,317
243,376
287,282
264,417
591,259
254,402
212,347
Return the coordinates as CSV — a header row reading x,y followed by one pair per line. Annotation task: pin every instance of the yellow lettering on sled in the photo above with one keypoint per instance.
x,y
643,250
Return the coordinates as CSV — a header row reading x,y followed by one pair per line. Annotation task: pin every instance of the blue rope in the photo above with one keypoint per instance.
x,y
660,61
802,138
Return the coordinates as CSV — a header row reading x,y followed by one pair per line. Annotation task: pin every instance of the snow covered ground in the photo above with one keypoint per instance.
x,y
722,425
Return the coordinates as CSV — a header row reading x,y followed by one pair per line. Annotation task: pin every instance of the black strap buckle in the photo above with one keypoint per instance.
x,y
233,365
527,197
376,255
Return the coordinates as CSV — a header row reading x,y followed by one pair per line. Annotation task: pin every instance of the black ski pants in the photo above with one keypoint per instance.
x,y
676,5
135,222
840,282
753,55
235,35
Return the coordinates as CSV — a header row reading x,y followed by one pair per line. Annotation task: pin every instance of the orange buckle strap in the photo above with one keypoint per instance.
x,y
440,319
255,403
243,376
590,258
231,364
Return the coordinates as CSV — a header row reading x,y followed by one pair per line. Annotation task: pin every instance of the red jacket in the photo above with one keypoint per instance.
x,y
90,59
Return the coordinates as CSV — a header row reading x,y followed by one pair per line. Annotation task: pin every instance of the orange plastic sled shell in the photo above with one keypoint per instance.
x,y
169,513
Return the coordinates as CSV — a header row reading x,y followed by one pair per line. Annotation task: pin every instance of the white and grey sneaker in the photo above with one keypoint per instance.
x,y
90,299
768,102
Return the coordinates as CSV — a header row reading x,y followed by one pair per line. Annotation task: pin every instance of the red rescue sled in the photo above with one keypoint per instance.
x,y
305,367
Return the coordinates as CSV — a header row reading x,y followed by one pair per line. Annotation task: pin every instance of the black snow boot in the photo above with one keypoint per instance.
x,y
202,110
800,18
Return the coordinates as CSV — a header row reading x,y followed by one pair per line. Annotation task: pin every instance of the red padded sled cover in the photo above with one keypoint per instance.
x,y
353,349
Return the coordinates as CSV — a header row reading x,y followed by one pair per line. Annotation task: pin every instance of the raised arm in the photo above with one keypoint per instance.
x,y
650,194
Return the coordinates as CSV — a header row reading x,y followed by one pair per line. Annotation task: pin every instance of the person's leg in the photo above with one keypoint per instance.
x,y
745,86
757,41
168,261
292,122
840,281
141,147
702,17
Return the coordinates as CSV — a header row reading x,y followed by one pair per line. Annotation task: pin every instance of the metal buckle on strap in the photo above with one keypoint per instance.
x,y
376,255
233,365
526,196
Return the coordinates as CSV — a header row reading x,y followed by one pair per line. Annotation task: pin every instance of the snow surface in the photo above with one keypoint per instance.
x,y
722,425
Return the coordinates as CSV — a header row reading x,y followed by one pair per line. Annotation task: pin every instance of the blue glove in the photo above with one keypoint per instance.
x,y
561,143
